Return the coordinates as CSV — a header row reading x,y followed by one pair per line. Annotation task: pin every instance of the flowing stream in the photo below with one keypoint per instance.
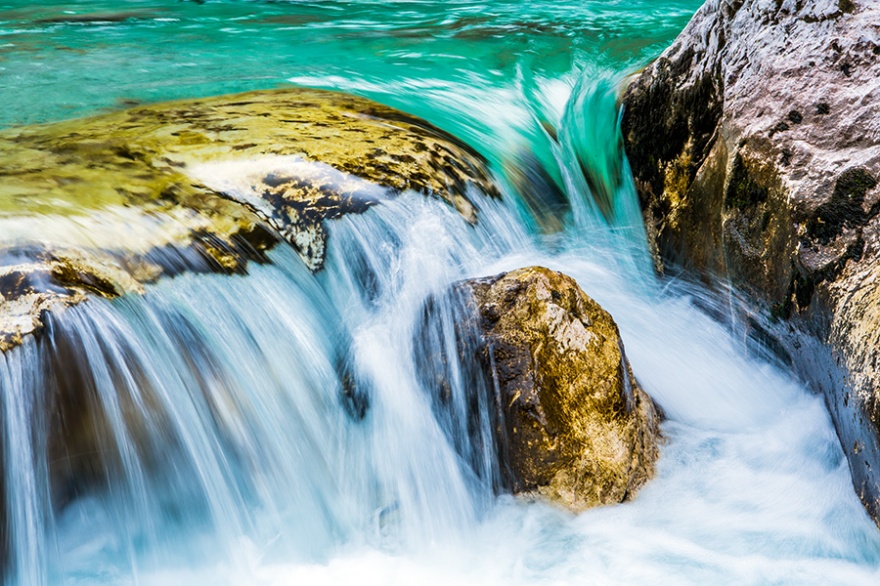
x,y
234,455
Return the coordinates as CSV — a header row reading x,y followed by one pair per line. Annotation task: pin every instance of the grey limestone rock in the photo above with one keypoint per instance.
x,y
755,144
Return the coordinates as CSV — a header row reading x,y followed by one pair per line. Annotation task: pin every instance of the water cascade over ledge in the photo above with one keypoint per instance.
x,y
274,427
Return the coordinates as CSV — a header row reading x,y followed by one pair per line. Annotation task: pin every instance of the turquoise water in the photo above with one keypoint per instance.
x,y
498,74
403,52
255,474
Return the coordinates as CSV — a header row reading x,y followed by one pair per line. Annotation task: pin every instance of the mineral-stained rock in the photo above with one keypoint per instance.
x,y
570,422
207,184
755,144
29,289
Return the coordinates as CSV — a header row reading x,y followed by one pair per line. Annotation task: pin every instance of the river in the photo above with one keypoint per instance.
x,y
256,473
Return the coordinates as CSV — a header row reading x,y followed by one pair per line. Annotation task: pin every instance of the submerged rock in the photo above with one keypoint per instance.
x,y
95,17
571,423
205,185
755,145
539,190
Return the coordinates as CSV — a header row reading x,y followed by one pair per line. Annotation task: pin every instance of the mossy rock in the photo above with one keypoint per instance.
x,y
571,424
208,185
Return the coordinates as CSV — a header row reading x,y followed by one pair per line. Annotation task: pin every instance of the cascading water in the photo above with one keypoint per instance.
x,y
278,427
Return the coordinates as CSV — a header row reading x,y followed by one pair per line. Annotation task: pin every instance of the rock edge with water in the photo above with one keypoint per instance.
x,y
571,424
103,205
755,144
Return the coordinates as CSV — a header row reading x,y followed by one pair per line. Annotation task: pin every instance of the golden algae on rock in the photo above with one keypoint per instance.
x,y
222,178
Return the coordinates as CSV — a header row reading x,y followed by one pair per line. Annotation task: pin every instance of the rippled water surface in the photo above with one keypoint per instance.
x,y
264,477
406,52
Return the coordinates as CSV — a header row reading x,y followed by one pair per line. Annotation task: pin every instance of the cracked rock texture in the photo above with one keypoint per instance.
x,y
754,141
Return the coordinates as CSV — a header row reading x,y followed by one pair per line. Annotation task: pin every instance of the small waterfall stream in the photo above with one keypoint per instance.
x,y
229,451
276,428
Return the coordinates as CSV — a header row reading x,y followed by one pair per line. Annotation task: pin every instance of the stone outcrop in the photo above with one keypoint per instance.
x,y
755,144
103,205
570,423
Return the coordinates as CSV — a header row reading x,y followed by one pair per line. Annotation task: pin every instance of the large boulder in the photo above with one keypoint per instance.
x,y
569,423
103,205
754,141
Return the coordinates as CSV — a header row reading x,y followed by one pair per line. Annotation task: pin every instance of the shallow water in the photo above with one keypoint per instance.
x,y
234,460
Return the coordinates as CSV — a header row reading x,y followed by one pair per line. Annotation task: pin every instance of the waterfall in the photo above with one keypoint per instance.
x,y
280,424
213,410
290,427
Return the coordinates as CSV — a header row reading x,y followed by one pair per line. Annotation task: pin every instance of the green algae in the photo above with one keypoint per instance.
x,y
224,177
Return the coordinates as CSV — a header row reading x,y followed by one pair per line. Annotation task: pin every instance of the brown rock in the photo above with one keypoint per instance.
x,y
571,423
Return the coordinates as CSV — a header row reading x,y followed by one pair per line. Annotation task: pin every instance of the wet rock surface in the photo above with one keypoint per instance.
x,y
755,144
570,423
103,205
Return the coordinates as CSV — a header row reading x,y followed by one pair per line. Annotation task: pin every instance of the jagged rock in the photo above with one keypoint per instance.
x,y
205,185
755,144
570,421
